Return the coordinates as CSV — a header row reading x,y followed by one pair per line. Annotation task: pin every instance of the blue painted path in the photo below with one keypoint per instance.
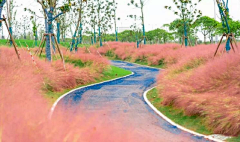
x,y
123,103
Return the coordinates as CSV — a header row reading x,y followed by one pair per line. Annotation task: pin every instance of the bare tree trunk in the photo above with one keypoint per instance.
x,y
77,27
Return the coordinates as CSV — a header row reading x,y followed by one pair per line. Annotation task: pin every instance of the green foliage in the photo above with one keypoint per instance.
x,y
177,27
125,36
65,8
235,139
76,63
34,28
207,26
161,34
224,13
110,53
101,14
186,10
234,26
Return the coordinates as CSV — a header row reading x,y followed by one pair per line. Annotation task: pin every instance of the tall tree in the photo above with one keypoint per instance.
x,y
104,17
161,34
101,15
177,28
224,12
10,15
78,25
49,6
35,29
25,26
65,23
115,19
92,13
207,26
140,4
187,12
135,30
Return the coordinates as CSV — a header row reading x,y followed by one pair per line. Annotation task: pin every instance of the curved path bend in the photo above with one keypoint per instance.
x,y
123,102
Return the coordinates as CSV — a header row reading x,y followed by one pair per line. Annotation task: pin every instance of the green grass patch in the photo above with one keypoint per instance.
x,y
162,66
146,64
236,139
194,123
189,66
111,73
76,63
114,72
31,43
20,42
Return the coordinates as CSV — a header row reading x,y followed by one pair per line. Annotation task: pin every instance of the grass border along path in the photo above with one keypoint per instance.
x,y
194,123
177,115
236,139
112,73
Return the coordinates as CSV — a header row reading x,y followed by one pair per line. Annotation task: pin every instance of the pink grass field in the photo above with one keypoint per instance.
x,y
24,110
194,80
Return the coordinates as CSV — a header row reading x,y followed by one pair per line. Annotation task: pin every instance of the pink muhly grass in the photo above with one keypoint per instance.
x,y
24,109
210,89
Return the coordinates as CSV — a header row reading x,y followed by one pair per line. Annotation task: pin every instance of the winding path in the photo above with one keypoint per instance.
x,y
122,99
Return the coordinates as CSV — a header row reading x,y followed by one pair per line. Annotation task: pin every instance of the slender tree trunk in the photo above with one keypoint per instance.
x,y
24,32
99,28
49,31
2,33
115,22
58,31
205,39
94,35
76,30
92,40
100,38
143,26
11,32
137,41
81,29
62,33
185,34
36,37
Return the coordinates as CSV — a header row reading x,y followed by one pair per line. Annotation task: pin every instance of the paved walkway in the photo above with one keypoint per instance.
x,y
123,104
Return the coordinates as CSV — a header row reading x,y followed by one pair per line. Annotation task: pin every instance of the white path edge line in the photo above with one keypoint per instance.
x,y
173,123
56,102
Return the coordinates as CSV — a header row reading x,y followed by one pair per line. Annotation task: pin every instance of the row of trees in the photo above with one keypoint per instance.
x,y
65,18
173,31
96,18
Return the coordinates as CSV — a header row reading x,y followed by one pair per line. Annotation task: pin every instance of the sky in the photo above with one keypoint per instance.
x,y
156,15
154,12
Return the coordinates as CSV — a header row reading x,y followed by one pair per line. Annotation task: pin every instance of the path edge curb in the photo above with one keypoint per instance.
x,y
173,123
64,95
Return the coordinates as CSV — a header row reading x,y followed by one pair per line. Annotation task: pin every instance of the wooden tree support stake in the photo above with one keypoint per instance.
x,y
13,41
42,44
232,39
183,41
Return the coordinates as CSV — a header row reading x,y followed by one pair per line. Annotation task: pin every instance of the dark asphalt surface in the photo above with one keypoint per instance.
x,y
123,104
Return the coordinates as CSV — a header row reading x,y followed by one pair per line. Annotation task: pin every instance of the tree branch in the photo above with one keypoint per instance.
x,y
57,16
40,2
